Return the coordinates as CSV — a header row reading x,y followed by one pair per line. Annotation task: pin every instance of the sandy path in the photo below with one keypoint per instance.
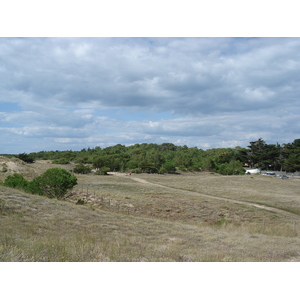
x,y
276,210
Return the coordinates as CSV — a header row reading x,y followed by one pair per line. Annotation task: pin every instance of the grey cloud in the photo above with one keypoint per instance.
x,y
191,76
218,89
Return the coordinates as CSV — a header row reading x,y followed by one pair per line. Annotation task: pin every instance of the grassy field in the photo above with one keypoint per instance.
x,y
186,217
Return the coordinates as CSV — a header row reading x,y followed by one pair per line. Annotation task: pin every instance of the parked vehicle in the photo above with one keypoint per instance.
x,y
283,177
269,174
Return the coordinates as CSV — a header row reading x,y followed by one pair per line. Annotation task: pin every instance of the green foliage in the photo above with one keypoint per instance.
x,y
150,158
61,161
25,157
136,170
168,167
168,147
208,164
231,168
182,168
148,167
54,183
196,167
82,169
291,156
292,163
263,155
103,171
16,181
132,164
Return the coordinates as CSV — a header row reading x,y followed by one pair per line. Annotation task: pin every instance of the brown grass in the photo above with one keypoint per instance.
x,y
135,221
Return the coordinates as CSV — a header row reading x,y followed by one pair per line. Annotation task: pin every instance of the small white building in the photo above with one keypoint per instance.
x,y
253,171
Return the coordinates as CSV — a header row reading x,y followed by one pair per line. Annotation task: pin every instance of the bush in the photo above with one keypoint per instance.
x,y
15,181
167,167
132,164
103,171
82,169
182,168
195,167
136,171
25,157
61,161
54,183
231,168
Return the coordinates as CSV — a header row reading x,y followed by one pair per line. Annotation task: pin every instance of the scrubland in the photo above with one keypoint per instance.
x,y
147,217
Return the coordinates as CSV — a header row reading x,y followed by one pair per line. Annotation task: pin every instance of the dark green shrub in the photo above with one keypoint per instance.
x,y
54,183
231,168
137,170
103,171
196,168
82,169
149,167
182,168
25,157
61,161
15,181
167,167
132,164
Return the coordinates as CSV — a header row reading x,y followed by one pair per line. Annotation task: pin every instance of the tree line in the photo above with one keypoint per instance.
x,y
167,158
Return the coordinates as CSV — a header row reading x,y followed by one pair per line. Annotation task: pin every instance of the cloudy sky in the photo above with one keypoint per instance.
x,y
74,93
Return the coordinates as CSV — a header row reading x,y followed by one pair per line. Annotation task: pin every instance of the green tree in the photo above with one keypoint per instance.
x,y
149,167
132,164
256,152
231,168
290,156
209,164
103,171
167,147
54,183
82,169
292,163
168,167
270,157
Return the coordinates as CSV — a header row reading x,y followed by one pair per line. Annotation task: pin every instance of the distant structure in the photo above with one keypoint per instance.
x,y
253,171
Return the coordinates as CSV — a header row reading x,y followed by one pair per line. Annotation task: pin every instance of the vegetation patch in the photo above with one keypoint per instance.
x,y
149,217
54,183
82,169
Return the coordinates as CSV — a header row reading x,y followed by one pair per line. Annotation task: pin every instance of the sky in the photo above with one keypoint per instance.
x,y
206,92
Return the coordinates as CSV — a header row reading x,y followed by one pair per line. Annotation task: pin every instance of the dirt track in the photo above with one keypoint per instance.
x,y
276,210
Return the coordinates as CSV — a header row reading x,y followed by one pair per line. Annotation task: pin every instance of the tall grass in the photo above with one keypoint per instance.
x,y
161,225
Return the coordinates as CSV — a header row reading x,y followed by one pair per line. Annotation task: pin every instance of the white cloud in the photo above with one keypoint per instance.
x,y
208,91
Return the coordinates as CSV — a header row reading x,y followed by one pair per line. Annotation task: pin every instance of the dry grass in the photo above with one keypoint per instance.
x,y
266,190
151,223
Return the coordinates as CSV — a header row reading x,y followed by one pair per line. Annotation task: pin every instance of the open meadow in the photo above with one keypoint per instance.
x,y
149,217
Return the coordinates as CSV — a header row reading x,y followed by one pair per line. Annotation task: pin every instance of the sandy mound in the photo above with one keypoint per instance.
x,y
13,165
